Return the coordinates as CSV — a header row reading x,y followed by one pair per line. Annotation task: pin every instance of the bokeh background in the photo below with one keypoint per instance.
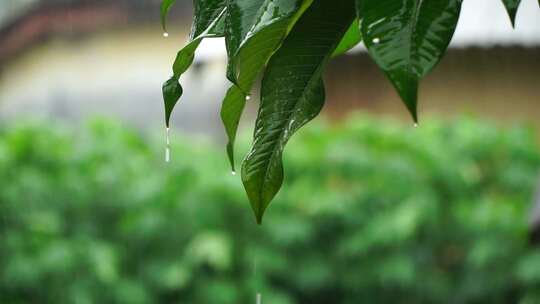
x,y
372,210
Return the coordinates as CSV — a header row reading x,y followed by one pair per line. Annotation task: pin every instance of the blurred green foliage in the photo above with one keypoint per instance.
x,y
372,212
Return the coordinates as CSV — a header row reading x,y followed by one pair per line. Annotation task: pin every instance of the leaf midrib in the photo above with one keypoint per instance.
x,y
315,77
412,33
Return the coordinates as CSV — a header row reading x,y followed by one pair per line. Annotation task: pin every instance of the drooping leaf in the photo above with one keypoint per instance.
x,y
292,94
512,8
208,22
251,40
165,8
352,37
172,91
407,38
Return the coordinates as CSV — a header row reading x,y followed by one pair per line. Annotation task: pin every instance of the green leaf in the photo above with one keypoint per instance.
x,y
251,40
172,90
512,7
407,38
352,37
165,8
292,94
208,23
241,15
206,14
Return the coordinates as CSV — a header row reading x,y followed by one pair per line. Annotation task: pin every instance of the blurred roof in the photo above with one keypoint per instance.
x,y
24,23
483,23
12,9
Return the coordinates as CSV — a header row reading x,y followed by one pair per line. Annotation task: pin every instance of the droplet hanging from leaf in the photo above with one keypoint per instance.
x,y
208,23
166,6
407,38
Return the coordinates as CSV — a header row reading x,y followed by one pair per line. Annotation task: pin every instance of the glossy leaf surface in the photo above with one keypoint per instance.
x,y
251,39
246,18
172,90
241,15
407,38
206,14
512,8
292,94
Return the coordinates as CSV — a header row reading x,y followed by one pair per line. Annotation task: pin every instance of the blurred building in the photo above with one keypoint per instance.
x,y
491,69
80,58
72,59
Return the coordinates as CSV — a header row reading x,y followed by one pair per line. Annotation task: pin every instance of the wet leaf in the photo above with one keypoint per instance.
x,y
241,16
207,12
512,7
407,38
292,94
172,90
165,8
255,29
208,22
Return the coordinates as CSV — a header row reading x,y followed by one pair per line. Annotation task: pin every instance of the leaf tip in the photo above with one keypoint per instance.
x,y
259,219
408,91
230,154
414,114
172,91
258,211
165,8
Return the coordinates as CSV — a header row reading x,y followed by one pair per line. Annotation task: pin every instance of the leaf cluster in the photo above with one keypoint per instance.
x,y
290,42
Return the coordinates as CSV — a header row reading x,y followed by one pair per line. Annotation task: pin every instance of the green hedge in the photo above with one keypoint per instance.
x,y
372,212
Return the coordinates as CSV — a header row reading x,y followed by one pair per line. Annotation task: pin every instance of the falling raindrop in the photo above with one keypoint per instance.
x,y
376,40
258,295
165,34
167,155
168,148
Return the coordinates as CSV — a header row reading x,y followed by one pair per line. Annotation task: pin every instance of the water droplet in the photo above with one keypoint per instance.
x,y
248,97
258,294
233,173
165,34
168,147
376,40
